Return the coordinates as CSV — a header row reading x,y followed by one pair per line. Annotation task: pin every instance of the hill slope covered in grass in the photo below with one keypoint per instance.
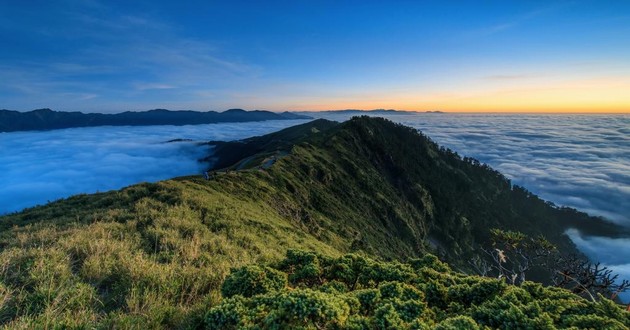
x,y
156,255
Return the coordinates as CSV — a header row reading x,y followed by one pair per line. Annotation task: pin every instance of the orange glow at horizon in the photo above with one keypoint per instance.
x,y
603,95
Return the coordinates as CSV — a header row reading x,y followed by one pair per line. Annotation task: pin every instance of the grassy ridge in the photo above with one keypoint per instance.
x,y
156,255
149,254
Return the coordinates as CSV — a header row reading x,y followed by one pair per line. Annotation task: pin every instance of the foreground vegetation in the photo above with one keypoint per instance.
x,y
156,255
310,291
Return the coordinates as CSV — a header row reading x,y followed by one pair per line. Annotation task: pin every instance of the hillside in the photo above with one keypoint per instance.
x,y
156,255
420,193
46,119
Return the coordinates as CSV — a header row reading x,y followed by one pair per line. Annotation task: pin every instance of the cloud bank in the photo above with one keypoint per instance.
x,y
37,167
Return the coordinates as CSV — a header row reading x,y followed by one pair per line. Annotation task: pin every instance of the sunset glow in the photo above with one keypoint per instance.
x,y
95,56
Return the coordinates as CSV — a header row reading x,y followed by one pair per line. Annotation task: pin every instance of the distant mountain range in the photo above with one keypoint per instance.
x,y
374,111
46,119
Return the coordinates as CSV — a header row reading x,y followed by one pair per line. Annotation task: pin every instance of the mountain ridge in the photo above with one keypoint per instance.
x,y
46,119
223,156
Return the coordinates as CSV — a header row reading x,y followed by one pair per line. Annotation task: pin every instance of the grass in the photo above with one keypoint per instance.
x,y
150,255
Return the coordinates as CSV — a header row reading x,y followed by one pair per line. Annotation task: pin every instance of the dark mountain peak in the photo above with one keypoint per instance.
x,y
43,110
359,112
292,115
234,111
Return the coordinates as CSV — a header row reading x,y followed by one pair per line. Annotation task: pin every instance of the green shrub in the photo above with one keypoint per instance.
x,y
386,317
458,323
248,281
303,307
369,299
326,294
302,267
504,314
483,290
430,261
591,321
280,310
334,286
227,315
400,290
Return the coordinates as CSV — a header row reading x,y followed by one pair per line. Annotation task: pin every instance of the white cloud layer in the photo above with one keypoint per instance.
x,y
36,167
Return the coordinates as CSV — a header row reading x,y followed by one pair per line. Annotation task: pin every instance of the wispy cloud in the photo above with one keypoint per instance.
x,y
508,77
490,30
148,86
119,57
515,21
80,96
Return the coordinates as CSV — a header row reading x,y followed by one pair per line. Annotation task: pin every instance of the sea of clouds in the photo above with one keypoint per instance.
x,y
37,167
581,161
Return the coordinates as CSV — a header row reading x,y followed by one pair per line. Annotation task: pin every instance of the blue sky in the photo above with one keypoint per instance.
x,y
112,56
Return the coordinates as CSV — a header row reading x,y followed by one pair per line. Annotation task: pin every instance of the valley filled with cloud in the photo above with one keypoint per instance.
x,y
572,160
37,167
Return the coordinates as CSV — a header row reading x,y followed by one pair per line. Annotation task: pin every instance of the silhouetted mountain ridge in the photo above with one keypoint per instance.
x,y
46,119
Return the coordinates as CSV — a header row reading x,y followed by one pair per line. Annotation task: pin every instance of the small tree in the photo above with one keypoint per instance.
x,y
586,278
512,255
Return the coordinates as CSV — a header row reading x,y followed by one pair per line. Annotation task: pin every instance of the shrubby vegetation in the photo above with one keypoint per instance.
x,y
354,292
156,255
514,255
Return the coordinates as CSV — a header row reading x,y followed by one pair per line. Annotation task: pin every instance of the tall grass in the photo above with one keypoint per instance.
x,y
150,262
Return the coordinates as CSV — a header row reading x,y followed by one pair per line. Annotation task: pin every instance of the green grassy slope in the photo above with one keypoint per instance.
x,y
155,255
387,183
231,152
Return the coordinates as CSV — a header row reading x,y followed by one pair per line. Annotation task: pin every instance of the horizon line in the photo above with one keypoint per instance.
x,y
436,111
